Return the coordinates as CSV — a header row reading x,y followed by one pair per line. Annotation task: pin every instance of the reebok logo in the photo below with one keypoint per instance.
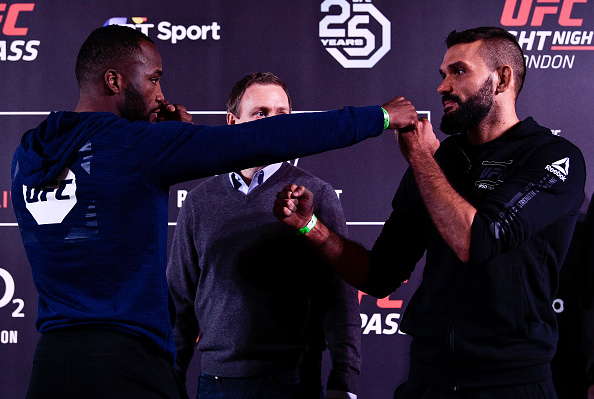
x,y
559,168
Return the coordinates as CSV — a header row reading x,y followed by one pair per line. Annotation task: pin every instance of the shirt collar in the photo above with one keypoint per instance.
x,y
259,177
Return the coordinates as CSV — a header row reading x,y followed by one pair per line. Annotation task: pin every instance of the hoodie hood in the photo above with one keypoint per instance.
x,y
46,150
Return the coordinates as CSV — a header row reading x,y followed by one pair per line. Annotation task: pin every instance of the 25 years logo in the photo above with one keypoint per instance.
x,y
356,34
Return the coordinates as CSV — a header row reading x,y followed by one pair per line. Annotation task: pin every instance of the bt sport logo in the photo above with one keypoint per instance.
x,y
168,31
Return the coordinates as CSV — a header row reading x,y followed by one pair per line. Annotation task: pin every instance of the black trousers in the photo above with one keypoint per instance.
x,y
99,364
538,390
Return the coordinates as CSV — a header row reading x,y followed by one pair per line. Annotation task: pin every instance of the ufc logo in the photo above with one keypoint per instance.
x,y
32,195
538,12
491,172
10,19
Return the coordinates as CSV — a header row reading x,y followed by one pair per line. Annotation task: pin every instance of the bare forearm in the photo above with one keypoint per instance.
x,y
294,207
349,259
451,214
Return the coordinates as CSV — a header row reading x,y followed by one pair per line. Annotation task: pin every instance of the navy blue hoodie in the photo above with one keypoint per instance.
x,y
90,193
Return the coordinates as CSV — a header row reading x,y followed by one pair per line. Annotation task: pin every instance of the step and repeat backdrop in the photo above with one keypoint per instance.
x,y
330,53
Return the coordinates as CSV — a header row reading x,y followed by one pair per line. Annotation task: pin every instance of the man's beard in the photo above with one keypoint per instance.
x,y
134,107
471,112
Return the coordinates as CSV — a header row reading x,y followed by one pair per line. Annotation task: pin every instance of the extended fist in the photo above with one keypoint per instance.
x,y
402,113
293,206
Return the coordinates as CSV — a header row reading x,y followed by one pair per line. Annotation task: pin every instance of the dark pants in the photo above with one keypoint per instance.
x,y
99,364
538,390
280,385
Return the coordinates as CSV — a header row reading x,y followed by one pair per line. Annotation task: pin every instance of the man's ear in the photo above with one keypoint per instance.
x,y
231,119
113,80
505,75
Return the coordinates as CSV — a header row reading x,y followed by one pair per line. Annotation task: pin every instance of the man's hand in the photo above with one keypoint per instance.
x,y
402,113
170,112
294,206
419,141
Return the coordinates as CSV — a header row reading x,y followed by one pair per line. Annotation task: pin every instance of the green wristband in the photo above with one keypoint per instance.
x,y
310,225
386,118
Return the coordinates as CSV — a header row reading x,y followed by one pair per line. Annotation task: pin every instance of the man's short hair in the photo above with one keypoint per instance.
x,y
107,47
263,78
499,48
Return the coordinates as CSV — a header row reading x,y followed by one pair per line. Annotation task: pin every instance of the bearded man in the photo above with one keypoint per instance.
x,y
494,207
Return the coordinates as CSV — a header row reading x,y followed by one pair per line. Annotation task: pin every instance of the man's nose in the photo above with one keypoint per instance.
x,y
444,87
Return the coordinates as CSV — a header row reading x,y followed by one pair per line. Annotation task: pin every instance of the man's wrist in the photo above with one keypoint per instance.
x,y
308,227
386,118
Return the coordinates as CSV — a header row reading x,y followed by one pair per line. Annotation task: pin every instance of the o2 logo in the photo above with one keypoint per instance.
x,y
354,47
9,294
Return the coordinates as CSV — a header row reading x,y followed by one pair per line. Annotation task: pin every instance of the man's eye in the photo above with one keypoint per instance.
x,y
259,113
459,71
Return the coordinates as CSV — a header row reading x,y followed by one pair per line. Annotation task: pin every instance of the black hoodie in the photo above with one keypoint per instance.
x,y
488,321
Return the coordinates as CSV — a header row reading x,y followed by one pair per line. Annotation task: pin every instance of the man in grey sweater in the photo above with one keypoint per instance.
x,y
237,279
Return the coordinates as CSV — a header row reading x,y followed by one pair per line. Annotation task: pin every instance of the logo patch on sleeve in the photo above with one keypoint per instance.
x,y
559,168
